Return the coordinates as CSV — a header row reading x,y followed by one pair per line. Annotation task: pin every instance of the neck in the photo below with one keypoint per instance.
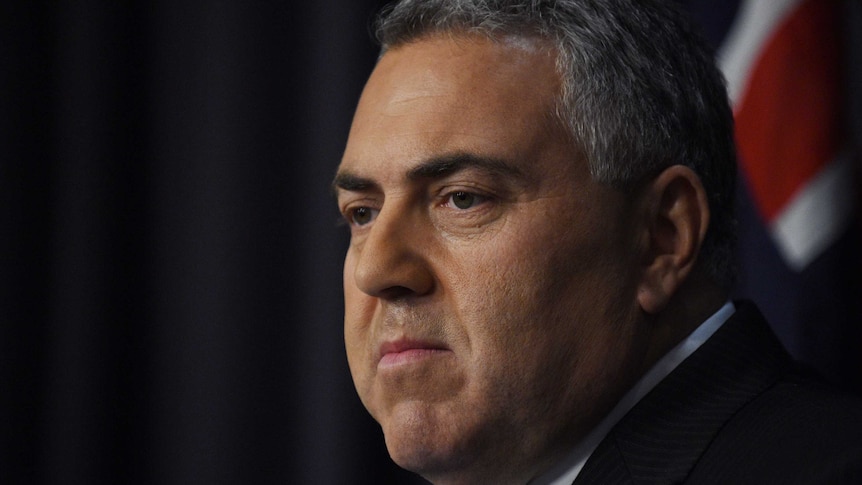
x,y
687,309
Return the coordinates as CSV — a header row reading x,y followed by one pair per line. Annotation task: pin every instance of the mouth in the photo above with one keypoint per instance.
x,y
404,351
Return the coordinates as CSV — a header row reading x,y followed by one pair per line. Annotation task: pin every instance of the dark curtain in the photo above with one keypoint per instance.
x,y
171,260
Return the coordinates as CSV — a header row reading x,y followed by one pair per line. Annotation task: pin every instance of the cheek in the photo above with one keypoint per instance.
x,y
503,297
534,288
547,318
358,312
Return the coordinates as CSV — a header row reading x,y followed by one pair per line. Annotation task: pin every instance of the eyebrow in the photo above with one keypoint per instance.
x,y
351,183
448,164
434,168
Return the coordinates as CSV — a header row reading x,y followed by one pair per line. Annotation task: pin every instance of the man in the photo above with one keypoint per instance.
x,y
536,288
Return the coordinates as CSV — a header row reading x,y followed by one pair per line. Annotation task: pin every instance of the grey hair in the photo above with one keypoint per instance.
x,y
640,90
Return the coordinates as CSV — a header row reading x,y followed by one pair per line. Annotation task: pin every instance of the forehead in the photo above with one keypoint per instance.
x,y
459,94
469,66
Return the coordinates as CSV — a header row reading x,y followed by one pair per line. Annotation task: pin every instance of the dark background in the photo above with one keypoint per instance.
x,y
171,262
170,285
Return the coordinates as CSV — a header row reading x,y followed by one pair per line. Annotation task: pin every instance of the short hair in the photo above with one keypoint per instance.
x,y
640,90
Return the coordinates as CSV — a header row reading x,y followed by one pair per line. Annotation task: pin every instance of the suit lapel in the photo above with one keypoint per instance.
x,y
663,436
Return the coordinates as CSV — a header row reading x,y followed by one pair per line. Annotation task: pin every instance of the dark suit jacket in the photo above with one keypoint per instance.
x,y
736,411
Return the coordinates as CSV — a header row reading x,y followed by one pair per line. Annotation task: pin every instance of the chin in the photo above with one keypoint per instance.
x,y
421,444
443,465
437,445
423,458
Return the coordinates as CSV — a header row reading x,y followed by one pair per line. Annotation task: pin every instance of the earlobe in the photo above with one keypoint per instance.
x,y
675,216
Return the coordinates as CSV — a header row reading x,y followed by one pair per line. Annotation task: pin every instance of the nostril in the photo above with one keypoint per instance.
x,y
396,293
394,277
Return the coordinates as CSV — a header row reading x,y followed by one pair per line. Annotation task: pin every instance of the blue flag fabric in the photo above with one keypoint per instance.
x,y
799,243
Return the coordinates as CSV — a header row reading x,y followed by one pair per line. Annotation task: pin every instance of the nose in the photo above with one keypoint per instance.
x,y
392,262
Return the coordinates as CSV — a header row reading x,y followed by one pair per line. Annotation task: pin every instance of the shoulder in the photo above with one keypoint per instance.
x,y
738,410
798,430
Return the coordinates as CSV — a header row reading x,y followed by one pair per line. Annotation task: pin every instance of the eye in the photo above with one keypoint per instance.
x,y
361,216
464,200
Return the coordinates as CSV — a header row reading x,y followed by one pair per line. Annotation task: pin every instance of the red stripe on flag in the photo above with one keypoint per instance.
x,y
788,125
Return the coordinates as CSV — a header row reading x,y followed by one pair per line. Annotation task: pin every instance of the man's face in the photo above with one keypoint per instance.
x,y
491,317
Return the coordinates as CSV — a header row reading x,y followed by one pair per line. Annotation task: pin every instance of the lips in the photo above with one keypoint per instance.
x,y
406,351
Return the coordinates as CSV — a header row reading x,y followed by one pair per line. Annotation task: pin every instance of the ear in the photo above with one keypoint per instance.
x,y
676,216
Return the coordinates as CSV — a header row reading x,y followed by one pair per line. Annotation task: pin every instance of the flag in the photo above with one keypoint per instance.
x,y
799,245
